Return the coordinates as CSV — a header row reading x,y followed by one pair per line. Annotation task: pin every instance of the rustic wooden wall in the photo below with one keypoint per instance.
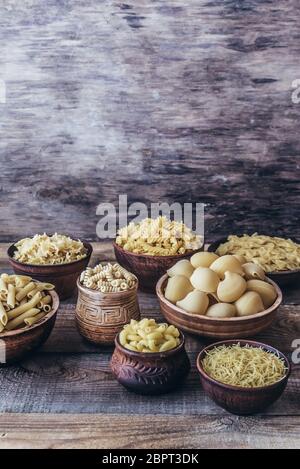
x,y
173,100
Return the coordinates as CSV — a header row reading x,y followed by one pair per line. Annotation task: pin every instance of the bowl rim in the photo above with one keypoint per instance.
x,y
42,266
97,292
151,355
252,343
149,256
273,272
175,308
55,306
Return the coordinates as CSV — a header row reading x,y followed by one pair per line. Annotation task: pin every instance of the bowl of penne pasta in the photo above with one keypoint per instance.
x,y
27,315
56,259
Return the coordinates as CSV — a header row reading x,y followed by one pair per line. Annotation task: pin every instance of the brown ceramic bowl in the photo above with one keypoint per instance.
x,y
221,328
63,276
100,316
236,399
20,342
150,373
148,269
283,278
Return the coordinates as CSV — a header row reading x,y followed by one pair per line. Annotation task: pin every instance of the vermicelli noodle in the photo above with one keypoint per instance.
x,y
246,366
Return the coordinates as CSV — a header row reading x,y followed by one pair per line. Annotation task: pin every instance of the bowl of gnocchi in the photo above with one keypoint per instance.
x,y
218,296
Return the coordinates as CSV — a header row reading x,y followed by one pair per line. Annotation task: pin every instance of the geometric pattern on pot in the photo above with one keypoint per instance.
x,y
107,315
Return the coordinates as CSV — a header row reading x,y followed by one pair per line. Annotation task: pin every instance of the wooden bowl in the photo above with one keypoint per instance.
x,y
222,328
63,276
150,373
283,278
148,269
100,316
236,399
18,343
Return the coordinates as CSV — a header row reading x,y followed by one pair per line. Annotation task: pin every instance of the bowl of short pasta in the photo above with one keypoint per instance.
x,y
30,319
265,255
150,372
152,246
254,396
217,327
63,275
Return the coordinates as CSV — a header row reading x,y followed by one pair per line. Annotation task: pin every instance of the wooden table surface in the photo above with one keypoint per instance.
x,y
64,396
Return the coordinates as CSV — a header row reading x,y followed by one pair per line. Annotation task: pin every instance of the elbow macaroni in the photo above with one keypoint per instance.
x,y
148,336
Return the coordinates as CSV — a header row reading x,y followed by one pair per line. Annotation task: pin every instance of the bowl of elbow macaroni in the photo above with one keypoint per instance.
x,y
150,357
27,315
152,246
56,259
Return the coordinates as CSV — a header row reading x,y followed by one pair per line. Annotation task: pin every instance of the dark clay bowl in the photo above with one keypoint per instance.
x,y
220,328
63,276
283,278
20,342
238,400
148,269
150,373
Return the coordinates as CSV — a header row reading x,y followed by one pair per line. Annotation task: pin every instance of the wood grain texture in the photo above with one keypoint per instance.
x,y
163,101
147,432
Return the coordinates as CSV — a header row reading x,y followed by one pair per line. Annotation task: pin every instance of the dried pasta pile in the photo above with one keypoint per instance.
x,y
45,250
272,253
158,237
108,278
149,336
247,366
23,302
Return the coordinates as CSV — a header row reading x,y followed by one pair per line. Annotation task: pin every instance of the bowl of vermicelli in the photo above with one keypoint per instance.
x,y
244,377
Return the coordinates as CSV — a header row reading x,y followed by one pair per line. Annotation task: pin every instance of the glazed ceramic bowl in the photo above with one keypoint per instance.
x,y
283,278
236,399
150,373
63,276
100,316
221,328
20,342
148,269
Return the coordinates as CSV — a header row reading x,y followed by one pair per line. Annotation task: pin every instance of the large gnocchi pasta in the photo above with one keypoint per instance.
x,y
219,287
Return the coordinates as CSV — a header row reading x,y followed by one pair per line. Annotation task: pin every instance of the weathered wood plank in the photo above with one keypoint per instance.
x,y
146,432
79,383
215,122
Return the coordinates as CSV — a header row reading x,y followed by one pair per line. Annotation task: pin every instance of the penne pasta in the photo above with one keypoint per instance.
x,y
24,291
25,307
14,323
11,296
32,320
3,286
3,315
23,301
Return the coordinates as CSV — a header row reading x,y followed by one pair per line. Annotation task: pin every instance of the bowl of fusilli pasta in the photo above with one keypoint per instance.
x,y
149,248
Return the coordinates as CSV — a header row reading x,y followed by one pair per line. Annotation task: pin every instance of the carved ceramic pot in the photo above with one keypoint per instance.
x,y
100,316
150,373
